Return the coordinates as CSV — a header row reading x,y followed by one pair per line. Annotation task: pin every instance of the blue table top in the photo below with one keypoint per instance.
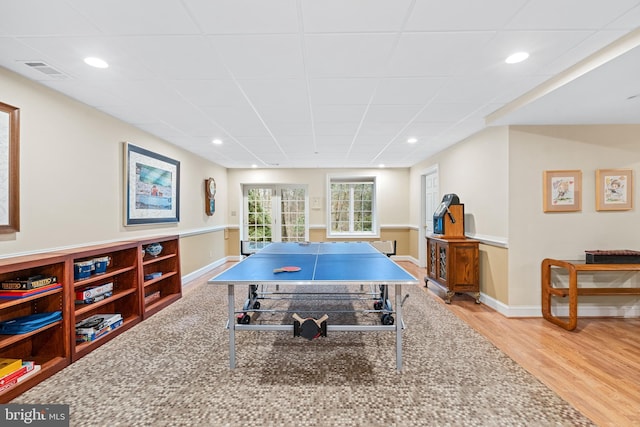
x,y
330,263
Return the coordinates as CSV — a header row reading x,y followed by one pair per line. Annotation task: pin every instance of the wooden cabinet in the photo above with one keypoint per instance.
x,y
160,276
47,346
453,265
122,272
135,296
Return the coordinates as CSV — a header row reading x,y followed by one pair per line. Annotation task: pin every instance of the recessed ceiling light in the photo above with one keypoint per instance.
x,y
217,142
412,140
516,57
381,165
254,166
96,62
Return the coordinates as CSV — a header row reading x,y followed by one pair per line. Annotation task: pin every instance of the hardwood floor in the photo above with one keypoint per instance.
x,y
596,368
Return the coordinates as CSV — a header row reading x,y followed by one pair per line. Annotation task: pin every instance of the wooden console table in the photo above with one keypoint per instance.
x,y
453,265
573,268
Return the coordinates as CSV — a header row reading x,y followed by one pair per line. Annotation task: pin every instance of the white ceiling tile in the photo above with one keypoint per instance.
x,y
458,15
176,58
342,91
222,92
338,113
569,14
270,56
43,18
434,54
408,90
348,55
335,128
391,113
446,112
125,17
244,16
628,20
354,16
237,120
270,92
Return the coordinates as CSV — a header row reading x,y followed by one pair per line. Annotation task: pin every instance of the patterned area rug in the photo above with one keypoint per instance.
x,y
173,370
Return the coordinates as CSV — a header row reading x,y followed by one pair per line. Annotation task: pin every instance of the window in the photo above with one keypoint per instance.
x,y
275,213
352,209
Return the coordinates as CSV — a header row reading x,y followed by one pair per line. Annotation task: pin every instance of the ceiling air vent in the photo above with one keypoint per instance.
x,y
45,69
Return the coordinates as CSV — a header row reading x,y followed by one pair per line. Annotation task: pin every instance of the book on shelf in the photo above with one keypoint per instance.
x,y
92,336
15,294
9,365
27,369
96,323
95,299
148,299
32,372
93,291
29,283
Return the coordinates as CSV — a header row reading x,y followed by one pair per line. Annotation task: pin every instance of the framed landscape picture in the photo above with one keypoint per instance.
x,y
614,189
152,187
562,191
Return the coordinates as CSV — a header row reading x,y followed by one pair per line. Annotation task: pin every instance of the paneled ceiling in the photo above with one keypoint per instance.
x,y
331,83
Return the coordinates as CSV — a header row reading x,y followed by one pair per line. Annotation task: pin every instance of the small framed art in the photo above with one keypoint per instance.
x,y
562,191
614,189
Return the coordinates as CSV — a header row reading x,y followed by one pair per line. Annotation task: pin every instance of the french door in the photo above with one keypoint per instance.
x,y
275,213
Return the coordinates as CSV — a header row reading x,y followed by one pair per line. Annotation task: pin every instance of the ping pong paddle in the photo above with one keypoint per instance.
x,y
286,269
310,328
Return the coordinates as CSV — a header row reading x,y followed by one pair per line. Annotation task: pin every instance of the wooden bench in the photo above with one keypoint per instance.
x,y
573,291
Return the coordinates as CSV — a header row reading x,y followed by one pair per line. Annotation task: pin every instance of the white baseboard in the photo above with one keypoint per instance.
x,y
187,279
562,310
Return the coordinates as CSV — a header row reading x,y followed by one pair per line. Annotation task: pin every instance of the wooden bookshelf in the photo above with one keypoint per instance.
x,y
160,291
47,346
54,346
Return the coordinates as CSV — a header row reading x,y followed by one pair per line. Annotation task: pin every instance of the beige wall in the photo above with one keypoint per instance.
x,y
71,177
393,193
477,170
535,235
498,175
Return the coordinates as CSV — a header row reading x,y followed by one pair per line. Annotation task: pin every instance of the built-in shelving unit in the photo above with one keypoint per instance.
x,y
47,346
158,292
122,271
54,346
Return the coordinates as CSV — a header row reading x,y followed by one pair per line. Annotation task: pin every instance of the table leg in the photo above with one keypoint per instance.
x,y
398,324
232,327
548,291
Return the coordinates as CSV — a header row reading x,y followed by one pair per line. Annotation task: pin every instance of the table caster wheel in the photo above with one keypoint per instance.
x,y
244,319
256,305
377,305
387,319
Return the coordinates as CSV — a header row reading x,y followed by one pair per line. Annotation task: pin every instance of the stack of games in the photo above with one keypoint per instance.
x,y
92,294
96,326
13,371
22,288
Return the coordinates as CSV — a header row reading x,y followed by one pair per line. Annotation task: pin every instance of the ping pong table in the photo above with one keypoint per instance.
x,y
322,265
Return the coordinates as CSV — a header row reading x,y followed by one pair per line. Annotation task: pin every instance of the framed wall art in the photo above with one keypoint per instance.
x,y
152,187
9,168
614,189
562,191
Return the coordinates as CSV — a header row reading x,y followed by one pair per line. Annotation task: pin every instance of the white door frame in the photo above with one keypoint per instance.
x,y
424,215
